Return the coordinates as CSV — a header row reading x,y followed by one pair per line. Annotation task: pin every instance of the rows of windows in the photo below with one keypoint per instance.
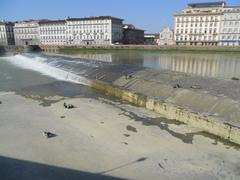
x,y
197,31
103,26
26,30
205,24
88,31
88,22
52,37
231,23
196,38
231,17
197,19
231,30
53,32
47,28
231,37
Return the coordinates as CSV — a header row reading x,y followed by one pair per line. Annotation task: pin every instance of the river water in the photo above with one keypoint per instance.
x,y
24,70
218,65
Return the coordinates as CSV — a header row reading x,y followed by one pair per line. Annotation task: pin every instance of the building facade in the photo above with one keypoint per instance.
x,y
151,39
230,27
6,33
132,35
101,30
53,32
26,33
199,24
166,37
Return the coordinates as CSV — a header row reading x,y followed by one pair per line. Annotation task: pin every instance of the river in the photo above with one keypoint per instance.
x,y
32,69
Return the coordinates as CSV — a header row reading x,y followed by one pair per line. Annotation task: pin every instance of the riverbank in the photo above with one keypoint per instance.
x,y
209,103
127,142
82,49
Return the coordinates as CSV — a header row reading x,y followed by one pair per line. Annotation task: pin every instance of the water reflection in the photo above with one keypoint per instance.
x,y
211,65
106,57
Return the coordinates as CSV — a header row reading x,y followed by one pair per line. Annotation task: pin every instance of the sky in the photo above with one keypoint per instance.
x,y
150,15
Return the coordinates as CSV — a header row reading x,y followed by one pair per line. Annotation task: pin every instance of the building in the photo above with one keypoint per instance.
x,y
132,35
101,30
151,39
26,33
166,37
6,33
199,24
53,32
230,27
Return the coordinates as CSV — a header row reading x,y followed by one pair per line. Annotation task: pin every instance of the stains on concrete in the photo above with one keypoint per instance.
x,y
62,117
131,128
125,143
127,135
163,123
160,165
54,92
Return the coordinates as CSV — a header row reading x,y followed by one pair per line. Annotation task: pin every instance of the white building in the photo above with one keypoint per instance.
x,y
26,33
53,32
199,24
6,33
166,37
230,27
102,30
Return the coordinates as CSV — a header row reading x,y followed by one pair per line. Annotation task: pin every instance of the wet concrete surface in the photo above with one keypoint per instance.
x,y
56,91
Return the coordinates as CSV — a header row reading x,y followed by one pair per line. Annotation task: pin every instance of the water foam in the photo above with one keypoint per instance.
x,y
41,65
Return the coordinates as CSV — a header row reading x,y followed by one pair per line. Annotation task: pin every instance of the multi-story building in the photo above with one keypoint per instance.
x,y
166,37
199,24
6,33
53,32
132,35
101,30
230,27
26,32
151,39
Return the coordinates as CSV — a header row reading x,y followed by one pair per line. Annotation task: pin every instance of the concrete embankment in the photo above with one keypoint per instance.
x,y
212,105
76,49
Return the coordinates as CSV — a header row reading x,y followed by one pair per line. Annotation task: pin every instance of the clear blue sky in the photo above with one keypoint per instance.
x,y
151,15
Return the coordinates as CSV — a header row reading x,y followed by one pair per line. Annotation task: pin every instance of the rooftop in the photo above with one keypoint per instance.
x,y
130,26
207,4
6,23
51,21
94,18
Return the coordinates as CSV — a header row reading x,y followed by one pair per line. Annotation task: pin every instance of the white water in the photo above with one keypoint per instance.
x,y
41,65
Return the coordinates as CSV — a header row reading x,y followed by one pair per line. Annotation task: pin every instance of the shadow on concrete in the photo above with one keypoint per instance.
x,y
124,165
25,170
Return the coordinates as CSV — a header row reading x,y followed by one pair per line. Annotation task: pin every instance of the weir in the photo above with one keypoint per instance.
x,y
214,110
